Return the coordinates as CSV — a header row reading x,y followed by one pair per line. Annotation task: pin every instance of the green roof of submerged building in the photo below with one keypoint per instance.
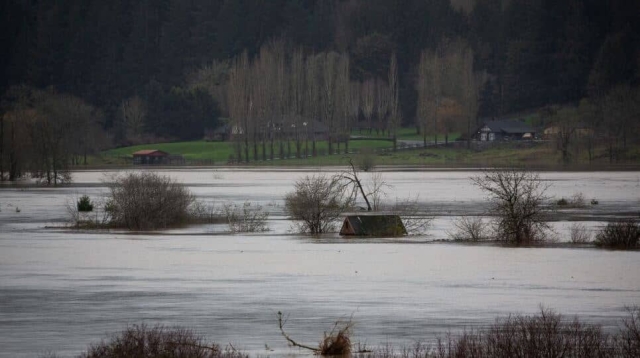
x,y
373,225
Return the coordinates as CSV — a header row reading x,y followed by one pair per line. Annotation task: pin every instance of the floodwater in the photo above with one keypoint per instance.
x,y
61,290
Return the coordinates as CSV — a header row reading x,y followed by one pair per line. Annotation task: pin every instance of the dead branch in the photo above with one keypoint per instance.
x,y
291,341
352,178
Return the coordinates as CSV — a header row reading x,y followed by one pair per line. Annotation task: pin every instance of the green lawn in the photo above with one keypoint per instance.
x,y
196,150
219,152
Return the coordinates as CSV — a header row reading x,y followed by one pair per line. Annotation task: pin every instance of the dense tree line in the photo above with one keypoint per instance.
x,y
44,133
153,54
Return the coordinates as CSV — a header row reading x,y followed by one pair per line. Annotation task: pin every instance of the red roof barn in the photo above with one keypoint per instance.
x,y
150,156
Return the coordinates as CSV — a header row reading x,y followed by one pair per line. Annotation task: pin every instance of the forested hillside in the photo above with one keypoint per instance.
x,y
161,68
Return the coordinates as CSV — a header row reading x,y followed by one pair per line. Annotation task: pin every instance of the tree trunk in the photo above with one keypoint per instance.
x,y
246,148
272,149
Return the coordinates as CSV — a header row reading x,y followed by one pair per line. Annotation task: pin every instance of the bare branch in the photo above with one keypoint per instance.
x,y
281,324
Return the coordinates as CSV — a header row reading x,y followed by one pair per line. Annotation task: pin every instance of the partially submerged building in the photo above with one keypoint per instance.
x,y
373,225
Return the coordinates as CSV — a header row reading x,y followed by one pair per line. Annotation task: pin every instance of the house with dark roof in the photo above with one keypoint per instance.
x,y
506,129
373,225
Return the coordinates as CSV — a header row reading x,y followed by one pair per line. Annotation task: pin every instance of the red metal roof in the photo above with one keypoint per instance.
x,y
151,152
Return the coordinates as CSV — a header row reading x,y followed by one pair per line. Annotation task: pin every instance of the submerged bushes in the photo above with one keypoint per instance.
x,y
147,201
547,334
623,234
317,202
246,218
157,342
519,215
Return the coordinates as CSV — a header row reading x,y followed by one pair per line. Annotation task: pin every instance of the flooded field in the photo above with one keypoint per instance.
x,y
62,289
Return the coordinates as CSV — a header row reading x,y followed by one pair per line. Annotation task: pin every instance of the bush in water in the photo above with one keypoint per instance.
x,y
157,342
147,201
85,204
623,234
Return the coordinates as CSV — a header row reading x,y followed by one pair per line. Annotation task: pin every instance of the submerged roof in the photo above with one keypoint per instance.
x,y
373,225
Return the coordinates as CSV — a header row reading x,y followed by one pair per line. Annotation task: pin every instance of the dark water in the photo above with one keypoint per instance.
x,y
61,290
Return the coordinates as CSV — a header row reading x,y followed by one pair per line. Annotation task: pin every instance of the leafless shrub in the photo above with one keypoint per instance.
x,y
202,213
376,190
469,228
317,202
147,201
623,234
517,198
144,342
627,342
546,334
246,218
416,218
580,234
335,343
577,201
338,341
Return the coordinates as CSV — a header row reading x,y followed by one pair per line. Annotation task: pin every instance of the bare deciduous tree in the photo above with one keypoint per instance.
x,y
429,92
368,98
246,217
354,110
317,202
214,78
296,75
382,104
416,217
239,103
395,115
471,228
517,204
134,112
376,190
350,180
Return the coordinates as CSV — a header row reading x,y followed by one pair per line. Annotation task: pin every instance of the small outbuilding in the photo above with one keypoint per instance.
x,y
373,225
150,157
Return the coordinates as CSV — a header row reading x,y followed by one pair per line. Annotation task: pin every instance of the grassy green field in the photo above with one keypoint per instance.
x,y
219,152
454,155
196,150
